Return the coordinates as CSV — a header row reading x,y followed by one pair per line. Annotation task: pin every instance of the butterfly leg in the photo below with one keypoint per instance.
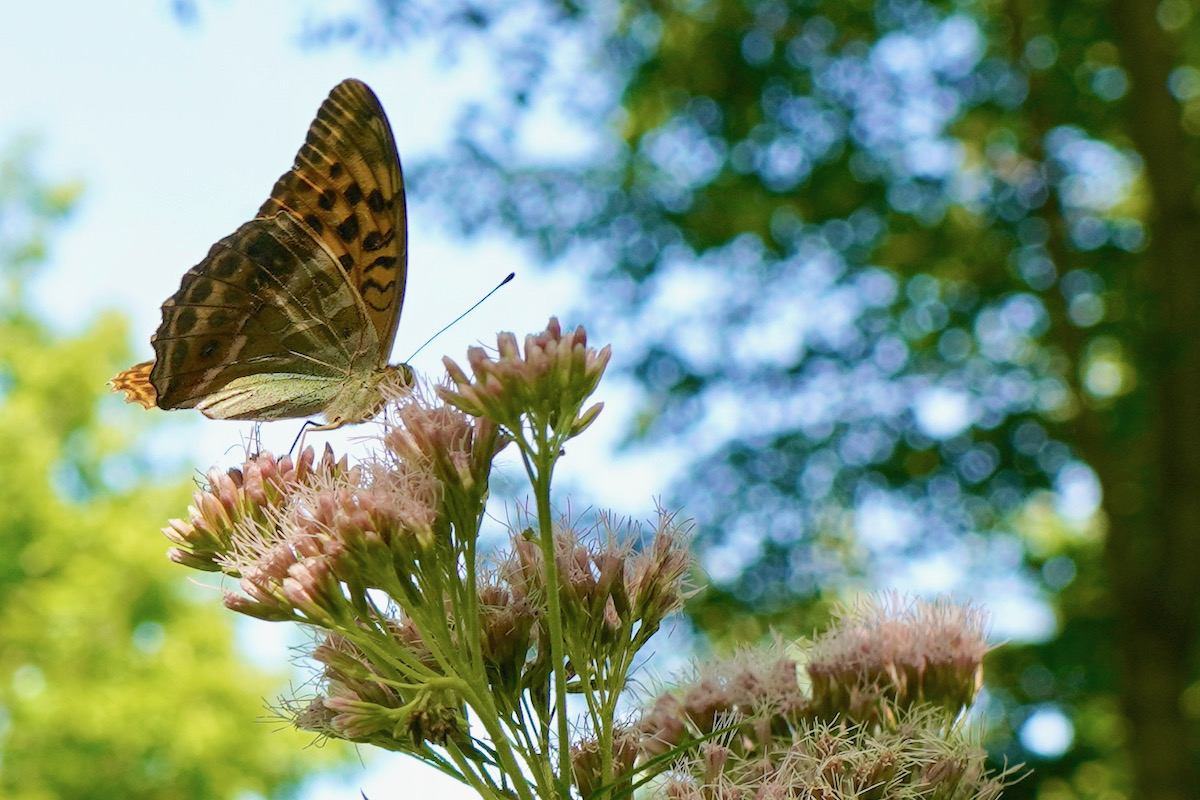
x,y
299,440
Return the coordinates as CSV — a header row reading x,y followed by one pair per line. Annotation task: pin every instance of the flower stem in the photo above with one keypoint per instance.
x,y
544,455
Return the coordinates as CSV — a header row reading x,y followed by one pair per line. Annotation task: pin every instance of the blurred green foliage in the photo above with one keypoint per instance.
x,y
120,680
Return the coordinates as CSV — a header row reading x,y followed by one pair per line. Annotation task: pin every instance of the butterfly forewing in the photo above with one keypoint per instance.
x,y
346,186
267,300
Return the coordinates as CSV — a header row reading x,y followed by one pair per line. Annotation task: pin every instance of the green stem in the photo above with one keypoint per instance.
x,y
479,780
489,720
521,730
471,612
544,456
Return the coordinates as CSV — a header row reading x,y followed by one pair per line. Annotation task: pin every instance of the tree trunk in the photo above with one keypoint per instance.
x,y
1150,469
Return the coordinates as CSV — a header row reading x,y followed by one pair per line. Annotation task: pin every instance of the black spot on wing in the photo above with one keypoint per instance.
x,y
179,355
376,240
348,229
384,290
383,262
265,250
200,291
226,266
184,321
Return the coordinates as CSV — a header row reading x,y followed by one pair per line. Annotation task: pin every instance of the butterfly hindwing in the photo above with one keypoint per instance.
x,y
135,383
346,186
267,301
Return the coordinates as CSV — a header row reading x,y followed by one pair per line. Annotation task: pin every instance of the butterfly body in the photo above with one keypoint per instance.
x,y
294,314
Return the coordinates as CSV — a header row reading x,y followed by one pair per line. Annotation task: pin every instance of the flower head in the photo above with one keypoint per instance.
x,y
612,596
549,383
240,499
457,448
885,653
507,623
587,765
362,700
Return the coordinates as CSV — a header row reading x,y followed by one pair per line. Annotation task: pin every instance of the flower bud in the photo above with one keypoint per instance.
x,y
548,384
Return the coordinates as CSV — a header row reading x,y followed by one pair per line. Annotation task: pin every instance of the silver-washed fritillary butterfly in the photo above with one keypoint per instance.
x,y
294,314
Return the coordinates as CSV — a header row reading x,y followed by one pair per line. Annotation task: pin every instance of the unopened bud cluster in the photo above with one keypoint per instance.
x,y
245,498
609,591
890,655
545,387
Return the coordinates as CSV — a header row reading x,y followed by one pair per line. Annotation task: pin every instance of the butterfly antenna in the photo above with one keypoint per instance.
x,y
511,275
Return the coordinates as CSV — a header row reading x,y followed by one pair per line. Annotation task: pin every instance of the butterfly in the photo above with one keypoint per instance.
x,y
295,312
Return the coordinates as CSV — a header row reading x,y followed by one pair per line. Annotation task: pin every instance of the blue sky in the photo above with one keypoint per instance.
x,y
179,132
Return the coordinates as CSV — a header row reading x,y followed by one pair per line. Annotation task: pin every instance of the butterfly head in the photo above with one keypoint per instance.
x,y
398,380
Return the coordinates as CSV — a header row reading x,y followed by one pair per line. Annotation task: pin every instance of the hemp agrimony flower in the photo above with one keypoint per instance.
x,y
896,655
545,388
888,682
465,661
